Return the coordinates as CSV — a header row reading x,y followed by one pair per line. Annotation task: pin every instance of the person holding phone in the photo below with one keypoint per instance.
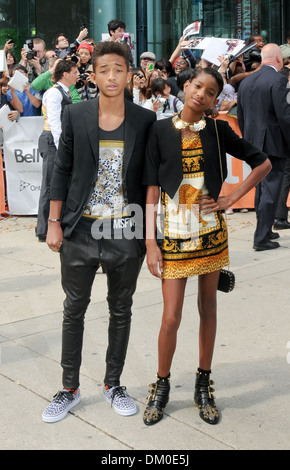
x,y
147,61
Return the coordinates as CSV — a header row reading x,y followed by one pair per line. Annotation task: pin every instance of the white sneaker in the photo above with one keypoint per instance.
x,y
62,402
122,403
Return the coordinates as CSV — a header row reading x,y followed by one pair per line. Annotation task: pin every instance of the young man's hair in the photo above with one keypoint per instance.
x,y
62,67
17,67
115,24
210,71
108,47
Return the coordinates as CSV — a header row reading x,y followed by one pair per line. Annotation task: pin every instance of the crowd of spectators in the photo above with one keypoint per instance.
x,y
157,83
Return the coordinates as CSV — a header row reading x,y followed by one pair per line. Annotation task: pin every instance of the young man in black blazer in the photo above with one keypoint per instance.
x,y
95,192
264,120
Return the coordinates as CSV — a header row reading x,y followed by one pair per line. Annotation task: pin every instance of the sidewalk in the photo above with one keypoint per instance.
x,y
250,369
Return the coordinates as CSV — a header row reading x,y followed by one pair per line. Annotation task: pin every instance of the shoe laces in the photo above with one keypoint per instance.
x,y
62,396
118,392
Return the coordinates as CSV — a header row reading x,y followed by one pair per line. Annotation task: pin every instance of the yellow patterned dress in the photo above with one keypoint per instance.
x,y
193,242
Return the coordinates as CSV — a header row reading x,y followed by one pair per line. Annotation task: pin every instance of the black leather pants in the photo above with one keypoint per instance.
x,y
81,256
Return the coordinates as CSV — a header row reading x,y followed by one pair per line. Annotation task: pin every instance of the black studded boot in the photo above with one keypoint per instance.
x,y
157,400
203,397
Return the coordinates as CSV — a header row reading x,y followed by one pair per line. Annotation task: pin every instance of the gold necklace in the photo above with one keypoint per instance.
x,y
193,126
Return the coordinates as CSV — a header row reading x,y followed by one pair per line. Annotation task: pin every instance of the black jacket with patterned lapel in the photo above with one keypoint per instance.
x,y
164,159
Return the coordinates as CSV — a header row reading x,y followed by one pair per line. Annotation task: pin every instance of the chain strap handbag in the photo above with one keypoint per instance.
x,y
227,278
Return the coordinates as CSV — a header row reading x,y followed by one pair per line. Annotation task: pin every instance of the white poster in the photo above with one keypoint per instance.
x,y
215,48
3,63
23,165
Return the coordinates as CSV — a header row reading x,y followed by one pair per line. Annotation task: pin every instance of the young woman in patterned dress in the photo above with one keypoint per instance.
x,y
184,164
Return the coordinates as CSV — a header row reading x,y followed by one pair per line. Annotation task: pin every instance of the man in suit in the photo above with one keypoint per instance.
x,y
264,120
95,192
54,100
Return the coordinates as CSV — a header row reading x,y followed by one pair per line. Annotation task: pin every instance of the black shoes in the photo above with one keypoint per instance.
x,y
281,224
269,245
157,400
204,399
274,235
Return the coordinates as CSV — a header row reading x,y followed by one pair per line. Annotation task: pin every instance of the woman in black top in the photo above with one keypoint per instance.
x,y
186,159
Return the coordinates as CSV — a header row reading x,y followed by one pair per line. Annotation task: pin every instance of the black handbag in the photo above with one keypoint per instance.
x,y
226,281
227,278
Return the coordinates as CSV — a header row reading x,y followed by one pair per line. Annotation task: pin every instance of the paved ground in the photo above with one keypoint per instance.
x,y
250,367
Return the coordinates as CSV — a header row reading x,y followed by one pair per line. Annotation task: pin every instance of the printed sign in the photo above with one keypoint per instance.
x,y
23,165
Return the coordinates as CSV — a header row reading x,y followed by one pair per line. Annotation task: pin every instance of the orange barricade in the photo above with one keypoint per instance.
x,y
246,202
2,186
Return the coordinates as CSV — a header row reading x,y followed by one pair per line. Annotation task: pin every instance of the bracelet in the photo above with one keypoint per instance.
x,y
53,220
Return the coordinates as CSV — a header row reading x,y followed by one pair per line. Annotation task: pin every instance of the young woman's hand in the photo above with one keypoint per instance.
x,y
154,259
208,204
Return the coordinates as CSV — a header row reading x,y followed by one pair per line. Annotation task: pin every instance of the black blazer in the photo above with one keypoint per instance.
x,y
76,165
164,158
264,112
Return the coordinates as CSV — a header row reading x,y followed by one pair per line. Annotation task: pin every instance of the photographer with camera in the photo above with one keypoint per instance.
x,y
85,86
116,30
63,48
162,102
33,58
46,81
254,54
138,86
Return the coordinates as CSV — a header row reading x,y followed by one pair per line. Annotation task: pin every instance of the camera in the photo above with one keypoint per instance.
x,y
84,76
83,26
73,53
31,54
161,99
244,50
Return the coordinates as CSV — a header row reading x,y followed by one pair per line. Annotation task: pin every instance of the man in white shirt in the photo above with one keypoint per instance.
x,y
54,100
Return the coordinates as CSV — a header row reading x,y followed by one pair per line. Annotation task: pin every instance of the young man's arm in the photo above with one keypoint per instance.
x,y
54,235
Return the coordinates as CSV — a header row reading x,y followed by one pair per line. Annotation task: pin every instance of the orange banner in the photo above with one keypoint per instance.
x,y
237,169
2,187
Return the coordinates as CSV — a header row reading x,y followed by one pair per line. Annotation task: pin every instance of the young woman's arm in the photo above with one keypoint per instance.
x,y
154,256
208,204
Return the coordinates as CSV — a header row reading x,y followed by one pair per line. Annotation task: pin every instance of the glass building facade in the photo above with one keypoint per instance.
x,y
156,25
